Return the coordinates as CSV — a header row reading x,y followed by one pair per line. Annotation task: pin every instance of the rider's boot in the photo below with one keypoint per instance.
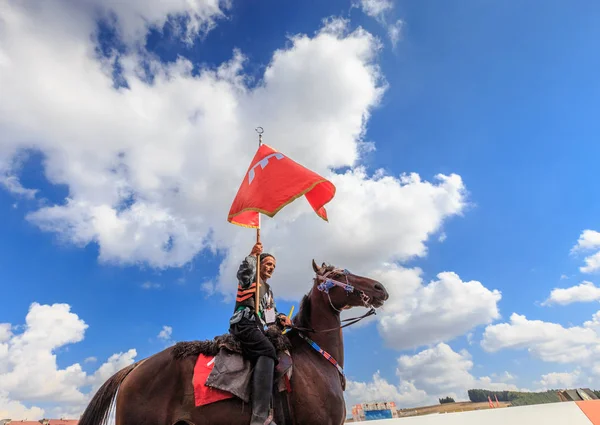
x,y
262,388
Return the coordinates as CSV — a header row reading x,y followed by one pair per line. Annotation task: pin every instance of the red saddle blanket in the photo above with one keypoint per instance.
x,y
228,375
204,394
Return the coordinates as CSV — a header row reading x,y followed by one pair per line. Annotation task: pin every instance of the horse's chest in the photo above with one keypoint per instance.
x,y
317,395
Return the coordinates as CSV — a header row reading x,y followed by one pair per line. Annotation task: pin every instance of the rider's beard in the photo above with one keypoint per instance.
x,y
265,275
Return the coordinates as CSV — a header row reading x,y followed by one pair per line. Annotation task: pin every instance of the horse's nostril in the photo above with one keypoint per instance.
x,y
379,287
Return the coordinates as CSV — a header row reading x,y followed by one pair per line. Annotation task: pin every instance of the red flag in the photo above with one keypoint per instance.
x,y
272,181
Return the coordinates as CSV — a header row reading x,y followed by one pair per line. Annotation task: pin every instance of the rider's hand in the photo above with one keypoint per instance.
x,y
257,249
285,321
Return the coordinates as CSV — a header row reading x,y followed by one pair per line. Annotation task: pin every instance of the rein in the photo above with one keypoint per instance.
x,y
352,321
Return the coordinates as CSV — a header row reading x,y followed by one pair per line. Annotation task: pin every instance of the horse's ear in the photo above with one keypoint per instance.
x,y
315,267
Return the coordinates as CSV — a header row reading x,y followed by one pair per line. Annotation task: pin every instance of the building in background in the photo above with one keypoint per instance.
x,y
374,411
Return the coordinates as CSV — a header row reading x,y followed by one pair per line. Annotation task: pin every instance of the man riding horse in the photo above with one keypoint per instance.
x,y
248,326
159,389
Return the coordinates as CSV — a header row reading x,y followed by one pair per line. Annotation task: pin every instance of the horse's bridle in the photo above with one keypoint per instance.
x,y
326,284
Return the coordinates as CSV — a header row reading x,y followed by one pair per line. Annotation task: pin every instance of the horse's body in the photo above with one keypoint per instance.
x,y
158,390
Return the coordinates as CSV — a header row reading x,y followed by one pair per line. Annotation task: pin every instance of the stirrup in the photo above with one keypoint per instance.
x,y
268,421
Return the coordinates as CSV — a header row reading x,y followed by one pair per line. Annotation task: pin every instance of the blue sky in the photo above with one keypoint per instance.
x,y
502,94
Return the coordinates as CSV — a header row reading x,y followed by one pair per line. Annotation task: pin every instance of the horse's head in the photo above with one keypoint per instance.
x,y
347,290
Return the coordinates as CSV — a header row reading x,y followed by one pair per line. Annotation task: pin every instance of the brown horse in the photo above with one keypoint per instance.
x,y
158,390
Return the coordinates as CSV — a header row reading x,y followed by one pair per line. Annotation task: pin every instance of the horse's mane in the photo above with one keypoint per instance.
x,y
302,319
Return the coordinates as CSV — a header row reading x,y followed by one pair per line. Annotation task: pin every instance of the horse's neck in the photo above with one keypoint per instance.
x,y
323,316
318,391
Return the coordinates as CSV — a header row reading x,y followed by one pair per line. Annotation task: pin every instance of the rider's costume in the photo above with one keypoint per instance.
x,y
248,327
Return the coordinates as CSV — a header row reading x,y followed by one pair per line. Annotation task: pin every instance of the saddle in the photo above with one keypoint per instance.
x,y
221,367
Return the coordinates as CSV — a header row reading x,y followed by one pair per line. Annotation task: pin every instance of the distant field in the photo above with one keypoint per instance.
x,y
516,399
463,406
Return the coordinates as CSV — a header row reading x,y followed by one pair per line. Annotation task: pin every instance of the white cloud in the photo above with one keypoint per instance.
x,y
165,333
589,240
134,16
594,323
560,380
437,370
592,264
419,314
140,189
28,370
379,389
11,409
504,377
384,223
12,184
584,292
426,376
151,285
374,8
29,373
550,342
395,32
440,370
5,332
90,360
114,363
8,180
208,287
380,10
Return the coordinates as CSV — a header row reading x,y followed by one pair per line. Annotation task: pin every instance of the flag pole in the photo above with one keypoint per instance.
x,y
260,132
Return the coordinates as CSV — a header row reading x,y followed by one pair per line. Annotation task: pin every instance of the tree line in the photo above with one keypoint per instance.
x,y
517,398
478,396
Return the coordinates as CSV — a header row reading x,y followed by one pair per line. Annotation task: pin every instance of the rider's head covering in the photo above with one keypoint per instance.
x,y
265,255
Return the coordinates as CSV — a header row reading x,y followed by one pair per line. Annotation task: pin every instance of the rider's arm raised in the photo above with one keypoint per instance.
x,y
247,272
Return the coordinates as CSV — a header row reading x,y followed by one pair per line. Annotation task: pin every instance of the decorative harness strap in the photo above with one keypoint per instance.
x,y
323,353
327,283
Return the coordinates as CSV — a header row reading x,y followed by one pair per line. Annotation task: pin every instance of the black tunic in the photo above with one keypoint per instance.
x,y
247,326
